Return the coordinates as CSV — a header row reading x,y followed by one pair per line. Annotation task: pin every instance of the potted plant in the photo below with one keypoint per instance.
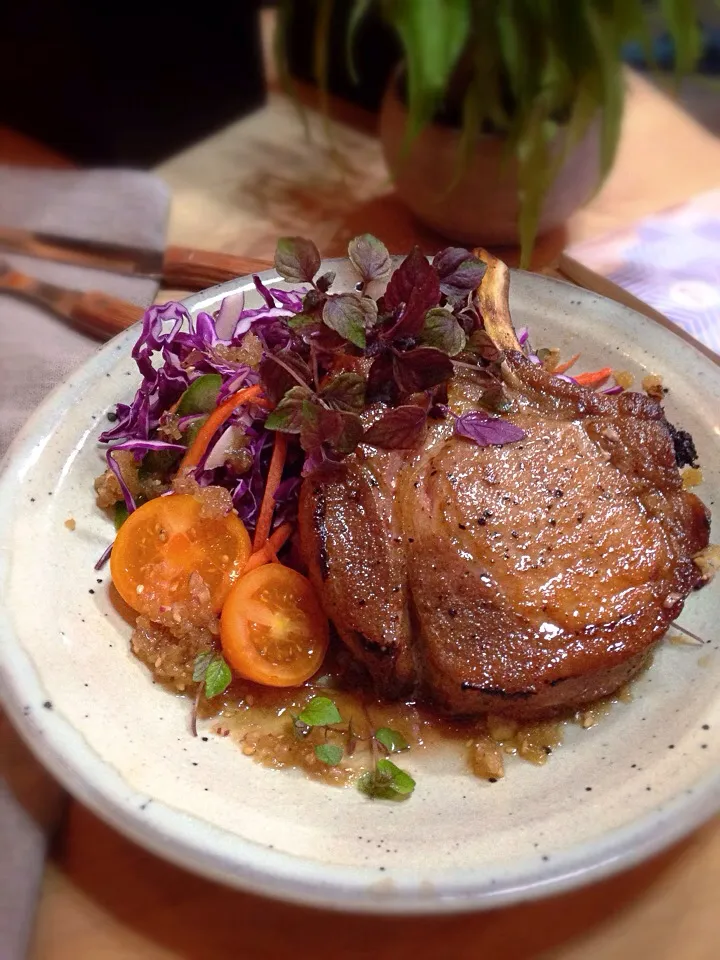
x,y
504,115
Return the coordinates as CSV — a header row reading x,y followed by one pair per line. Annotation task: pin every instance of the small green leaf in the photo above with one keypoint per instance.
x,y
319,712
329,753
201,396
386,782
346,391
442,331
370,257
121,514
287,415
302,321
297,259
211,667
350,315
217,677
392,740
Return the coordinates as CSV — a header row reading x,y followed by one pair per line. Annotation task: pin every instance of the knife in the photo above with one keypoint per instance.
x,y
180,268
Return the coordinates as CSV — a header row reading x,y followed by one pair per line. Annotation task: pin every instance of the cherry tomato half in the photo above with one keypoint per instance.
x,y
164,541
273,629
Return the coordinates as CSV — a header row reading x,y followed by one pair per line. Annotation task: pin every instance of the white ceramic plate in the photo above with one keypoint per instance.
x,y
610,796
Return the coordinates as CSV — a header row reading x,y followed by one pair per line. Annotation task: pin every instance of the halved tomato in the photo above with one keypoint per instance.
x,y
273,629
164,541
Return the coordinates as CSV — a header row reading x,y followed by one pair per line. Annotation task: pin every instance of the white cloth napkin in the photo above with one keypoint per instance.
x,y
37,352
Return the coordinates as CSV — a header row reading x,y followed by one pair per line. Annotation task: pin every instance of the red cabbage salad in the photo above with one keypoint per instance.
x,y
321,359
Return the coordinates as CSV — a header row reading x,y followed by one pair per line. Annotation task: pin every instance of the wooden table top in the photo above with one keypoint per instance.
x,y
104,897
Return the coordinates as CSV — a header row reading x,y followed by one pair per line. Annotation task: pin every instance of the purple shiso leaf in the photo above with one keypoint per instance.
x,y
486,430
522,335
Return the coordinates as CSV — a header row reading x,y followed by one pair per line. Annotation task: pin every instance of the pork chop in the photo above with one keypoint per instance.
x,y
522,579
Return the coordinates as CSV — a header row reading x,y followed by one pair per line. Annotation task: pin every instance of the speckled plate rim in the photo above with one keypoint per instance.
x,y
195,844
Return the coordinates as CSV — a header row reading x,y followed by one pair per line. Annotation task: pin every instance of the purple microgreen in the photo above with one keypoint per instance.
x,y
350,315
523,335
421,368
325,281
480,345
370,258
448,260
297,259
318,426
350,435
459,271
398,429
281,371
288,414
303,322
415,288
381,383
313,300
486,430
442,331
346,391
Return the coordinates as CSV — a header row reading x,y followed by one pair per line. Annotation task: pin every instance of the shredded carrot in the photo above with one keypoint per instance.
x,y
565,366
268,552
216,419
594,378
267,507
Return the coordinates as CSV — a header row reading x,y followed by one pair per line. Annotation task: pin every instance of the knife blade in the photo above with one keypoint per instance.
x,y
177,267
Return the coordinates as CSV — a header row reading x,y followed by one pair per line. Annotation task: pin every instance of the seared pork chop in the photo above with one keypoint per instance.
x,y
522,579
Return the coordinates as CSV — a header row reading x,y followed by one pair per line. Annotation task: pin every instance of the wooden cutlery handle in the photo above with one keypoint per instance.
x,y
92,312
188,269
103,316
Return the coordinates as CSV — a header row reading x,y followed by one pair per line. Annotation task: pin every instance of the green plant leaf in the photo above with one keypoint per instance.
x,y
329,753
201,396
392,740
442,331
350,315
386,782
346,392
358,11
433,34
297,259
319,712
211,667
120,514
288,414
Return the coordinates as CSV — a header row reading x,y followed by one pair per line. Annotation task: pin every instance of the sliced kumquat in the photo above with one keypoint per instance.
x,y
165,541
273,629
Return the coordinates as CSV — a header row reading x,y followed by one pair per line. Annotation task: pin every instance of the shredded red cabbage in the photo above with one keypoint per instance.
x,y
173,350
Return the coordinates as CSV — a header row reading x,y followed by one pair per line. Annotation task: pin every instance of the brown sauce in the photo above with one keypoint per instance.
x,y
260,720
